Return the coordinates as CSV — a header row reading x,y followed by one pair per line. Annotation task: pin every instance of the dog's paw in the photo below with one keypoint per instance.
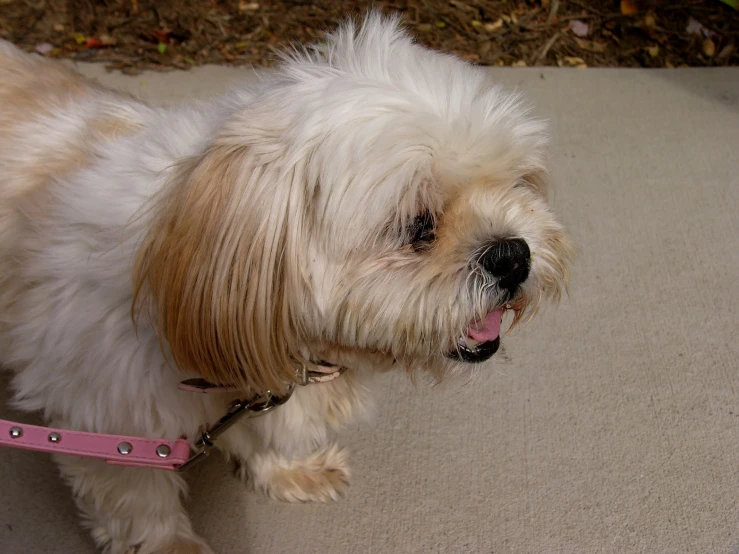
x,y
321,477
180,545
186,546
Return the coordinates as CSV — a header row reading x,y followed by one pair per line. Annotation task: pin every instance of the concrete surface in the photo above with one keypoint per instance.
x,y
614,427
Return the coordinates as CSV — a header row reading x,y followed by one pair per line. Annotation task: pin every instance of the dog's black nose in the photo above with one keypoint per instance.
x,y
509,260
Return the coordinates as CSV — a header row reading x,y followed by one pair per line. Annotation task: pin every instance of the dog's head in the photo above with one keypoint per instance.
x,y
371,199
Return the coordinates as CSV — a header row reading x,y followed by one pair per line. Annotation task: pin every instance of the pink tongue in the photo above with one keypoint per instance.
x,y
485,331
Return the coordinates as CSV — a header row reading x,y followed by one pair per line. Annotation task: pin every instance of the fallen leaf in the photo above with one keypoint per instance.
x,y
709,48
162,48
44,48
475,23
93,43
162,35
653,50
579,28
519,63
725,51
79,38
629,7
490,27
440,24
248,6
733,3
649,21
58,27
695,27
108,40
574,61
590,45
545,4
668,65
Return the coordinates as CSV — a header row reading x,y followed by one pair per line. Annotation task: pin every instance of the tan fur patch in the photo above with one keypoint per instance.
x,y
36,91
321,477
38,100
213,274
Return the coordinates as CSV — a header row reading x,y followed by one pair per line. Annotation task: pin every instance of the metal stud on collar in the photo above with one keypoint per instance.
x,y
163,450
16,432
54,437
125,448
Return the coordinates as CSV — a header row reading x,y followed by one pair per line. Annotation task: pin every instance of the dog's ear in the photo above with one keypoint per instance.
x,y
218,267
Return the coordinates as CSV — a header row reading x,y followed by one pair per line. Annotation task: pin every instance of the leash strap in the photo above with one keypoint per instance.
x,y
114,449
175,455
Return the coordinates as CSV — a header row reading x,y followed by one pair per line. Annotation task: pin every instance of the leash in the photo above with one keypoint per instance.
x,y
174,455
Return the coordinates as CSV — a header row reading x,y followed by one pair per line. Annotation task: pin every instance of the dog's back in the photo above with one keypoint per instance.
x,y
51,123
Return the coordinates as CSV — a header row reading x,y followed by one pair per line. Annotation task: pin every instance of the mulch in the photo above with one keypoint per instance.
x,y
133,35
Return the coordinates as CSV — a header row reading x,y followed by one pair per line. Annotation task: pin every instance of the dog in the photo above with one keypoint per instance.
x,y
369,205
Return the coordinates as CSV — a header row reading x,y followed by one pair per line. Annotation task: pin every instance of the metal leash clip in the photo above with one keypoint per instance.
x,y
255,407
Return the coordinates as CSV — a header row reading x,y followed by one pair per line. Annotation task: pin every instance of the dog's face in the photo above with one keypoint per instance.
x,y
420,262
426,279
374,200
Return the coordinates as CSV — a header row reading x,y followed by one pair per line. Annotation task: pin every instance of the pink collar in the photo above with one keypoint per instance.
x,y
154,453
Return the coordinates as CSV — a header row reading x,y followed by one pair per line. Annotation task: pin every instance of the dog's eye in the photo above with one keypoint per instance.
x,y
421,231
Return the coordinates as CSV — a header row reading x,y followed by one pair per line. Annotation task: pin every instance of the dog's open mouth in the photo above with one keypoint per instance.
x,y
481,340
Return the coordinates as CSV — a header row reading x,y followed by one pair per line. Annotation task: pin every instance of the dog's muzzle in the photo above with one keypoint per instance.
x,y
481,341
509,262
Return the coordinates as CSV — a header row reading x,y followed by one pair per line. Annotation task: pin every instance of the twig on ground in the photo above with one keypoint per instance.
x,y
524,20
553,8
587,7
547,46
542,26
38,5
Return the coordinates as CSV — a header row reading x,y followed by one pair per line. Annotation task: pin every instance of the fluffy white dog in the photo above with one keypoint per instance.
x,y
371,204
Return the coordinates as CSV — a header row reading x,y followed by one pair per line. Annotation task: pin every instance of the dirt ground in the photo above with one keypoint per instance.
x,y
132,35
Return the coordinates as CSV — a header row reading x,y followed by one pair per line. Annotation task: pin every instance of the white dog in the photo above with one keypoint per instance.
x,y
371,204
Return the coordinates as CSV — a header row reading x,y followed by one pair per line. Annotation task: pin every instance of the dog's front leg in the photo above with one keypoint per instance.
x,y
131,510
288,454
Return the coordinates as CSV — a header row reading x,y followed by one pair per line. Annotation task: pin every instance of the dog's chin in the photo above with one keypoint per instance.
x,y
480,352
481,340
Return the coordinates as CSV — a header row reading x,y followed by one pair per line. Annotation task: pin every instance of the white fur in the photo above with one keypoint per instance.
x,y
351,137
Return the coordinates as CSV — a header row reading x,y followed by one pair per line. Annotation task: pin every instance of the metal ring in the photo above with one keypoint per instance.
x,y
270,402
